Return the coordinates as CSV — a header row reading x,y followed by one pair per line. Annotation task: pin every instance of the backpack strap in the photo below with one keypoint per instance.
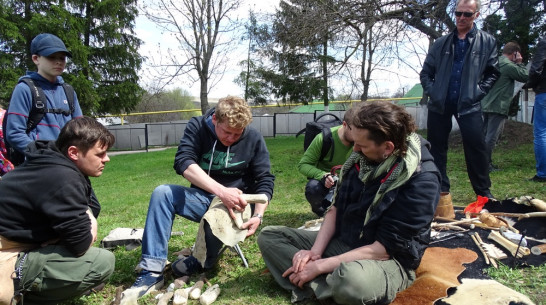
x,y
69,92
39,105
327,142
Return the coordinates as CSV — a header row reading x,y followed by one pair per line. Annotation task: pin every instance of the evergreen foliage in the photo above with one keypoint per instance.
x,y
100,36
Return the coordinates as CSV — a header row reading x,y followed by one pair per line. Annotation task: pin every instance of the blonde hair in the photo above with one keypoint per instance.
x,y
234,111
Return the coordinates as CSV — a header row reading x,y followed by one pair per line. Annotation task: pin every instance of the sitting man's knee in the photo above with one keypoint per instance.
x,y
351,285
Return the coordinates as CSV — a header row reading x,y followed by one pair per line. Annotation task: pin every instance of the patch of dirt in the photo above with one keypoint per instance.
x,y
514,134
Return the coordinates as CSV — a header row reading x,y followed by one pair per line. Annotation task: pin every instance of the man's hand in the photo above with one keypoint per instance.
x,y
309,272
94,225
252,225
232,200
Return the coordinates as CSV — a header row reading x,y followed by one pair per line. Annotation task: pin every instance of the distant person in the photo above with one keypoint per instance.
x,y
537,81
459,70
49,55
377,229
496,104
47,225
220,155
321,180
5,164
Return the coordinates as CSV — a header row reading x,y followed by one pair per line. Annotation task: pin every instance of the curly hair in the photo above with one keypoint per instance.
x,y
234,111
385,122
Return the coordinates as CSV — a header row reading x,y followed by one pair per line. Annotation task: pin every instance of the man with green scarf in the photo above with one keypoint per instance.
x,y
378,226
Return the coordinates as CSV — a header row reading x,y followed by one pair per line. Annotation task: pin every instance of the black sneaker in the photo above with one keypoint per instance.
x,y
186,266
493,168
538,179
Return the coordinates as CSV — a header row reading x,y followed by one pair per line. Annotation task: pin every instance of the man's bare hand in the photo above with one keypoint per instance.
x,y
252,225
94,225
232,200
308,273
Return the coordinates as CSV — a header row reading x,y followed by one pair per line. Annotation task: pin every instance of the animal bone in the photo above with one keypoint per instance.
x,y
508,245
210,295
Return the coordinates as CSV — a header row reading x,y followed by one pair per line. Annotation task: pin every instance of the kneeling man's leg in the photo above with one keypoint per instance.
x,y
52,274
368,282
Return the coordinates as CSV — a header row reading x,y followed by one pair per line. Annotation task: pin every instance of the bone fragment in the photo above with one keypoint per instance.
x,y
210,295
165,298
195,291
181,296
508,245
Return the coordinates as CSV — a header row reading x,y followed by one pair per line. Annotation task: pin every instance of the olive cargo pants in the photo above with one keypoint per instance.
x,y
357,282
52,274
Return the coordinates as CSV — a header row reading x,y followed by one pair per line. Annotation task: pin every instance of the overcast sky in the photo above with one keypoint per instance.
x,y
382,82
153,39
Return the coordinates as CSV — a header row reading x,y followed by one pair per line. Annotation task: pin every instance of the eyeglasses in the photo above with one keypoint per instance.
x,y
466,14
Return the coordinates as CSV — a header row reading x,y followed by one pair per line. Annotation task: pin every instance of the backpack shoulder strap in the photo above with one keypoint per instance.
x,y
69,92
39,104
327,142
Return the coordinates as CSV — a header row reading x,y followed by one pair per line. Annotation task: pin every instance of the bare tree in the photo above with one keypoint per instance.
x,y
201,28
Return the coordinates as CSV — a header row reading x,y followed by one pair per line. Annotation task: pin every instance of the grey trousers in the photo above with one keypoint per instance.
x,y
52,274
357,282
493,125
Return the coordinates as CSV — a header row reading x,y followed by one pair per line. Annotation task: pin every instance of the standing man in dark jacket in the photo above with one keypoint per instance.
x,y
537,81
220,155
459,70
47,226
376,231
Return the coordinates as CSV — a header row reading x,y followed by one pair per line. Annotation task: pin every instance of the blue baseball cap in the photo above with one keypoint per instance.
x,y
46,44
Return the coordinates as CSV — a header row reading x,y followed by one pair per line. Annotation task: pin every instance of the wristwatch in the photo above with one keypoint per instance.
x,y
259,216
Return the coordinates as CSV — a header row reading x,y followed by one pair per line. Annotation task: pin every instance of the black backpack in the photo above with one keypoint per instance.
x,y
37,113
317,126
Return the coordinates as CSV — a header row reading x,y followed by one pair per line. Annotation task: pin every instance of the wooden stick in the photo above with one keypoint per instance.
x,y
479,238
480,247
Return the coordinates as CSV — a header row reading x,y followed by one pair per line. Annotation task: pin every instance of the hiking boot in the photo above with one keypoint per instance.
x,y
444,208
538,179
186,266
146,282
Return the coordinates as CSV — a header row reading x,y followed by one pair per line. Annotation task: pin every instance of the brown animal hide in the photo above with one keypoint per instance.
x,y
437,272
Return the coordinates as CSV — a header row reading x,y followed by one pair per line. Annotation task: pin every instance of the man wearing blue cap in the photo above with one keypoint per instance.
x,y
49,55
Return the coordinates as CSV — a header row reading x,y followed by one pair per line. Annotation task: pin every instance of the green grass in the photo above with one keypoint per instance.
x,y
126,185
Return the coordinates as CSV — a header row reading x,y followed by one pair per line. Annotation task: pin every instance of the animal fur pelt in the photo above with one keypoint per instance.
x,y
484,292
437,272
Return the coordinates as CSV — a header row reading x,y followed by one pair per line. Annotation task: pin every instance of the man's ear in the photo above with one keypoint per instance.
x,y
214,121
73,153
389,147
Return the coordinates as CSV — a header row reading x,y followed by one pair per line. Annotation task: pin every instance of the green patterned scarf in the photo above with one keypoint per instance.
x,y
399,169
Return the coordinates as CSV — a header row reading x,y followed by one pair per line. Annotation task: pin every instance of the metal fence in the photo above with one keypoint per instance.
x,y
147,135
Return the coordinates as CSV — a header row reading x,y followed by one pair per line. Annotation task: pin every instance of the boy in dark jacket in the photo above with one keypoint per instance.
x,y
220,155
47,226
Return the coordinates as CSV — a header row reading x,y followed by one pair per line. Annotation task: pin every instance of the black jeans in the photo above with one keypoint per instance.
x,y
471,127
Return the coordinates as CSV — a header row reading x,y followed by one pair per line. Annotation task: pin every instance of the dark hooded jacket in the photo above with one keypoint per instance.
x,y
243,165
480,71
537,72
45,199
400,222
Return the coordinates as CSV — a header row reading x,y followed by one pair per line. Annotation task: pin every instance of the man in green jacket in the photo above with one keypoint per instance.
x,y
321,180
496,103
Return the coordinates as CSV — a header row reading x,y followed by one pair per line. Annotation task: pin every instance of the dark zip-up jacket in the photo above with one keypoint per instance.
x,y
243,165
537,72
45,199
480,71
400,222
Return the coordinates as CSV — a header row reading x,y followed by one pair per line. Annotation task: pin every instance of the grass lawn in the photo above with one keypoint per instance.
x,y
128,180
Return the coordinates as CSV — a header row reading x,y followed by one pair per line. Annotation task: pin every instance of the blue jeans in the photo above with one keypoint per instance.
x,y
539,131
166,202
